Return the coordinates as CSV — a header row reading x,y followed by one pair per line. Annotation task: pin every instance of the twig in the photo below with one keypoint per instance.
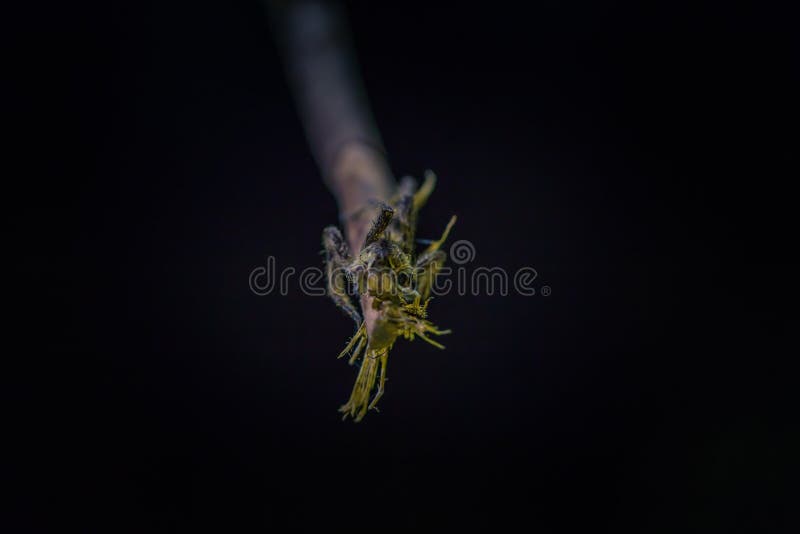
x,y
324,78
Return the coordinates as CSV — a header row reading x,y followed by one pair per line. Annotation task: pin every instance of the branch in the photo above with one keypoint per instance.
x,y
331,99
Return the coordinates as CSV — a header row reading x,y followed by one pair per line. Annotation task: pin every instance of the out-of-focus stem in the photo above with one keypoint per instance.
x,y
341,131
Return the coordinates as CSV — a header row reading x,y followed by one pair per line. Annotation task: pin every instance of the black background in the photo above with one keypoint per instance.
x,y
638,157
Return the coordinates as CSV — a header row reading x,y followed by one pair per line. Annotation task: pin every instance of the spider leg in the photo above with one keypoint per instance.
x,y
335,245
407,186
337,257
428,265
401,230
358,404
381,381
408,200
424,192
357,351
434,246
359,336
379,224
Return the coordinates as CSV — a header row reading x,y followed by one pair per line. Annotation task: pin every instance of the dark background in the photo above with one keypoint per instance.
x,y
638,157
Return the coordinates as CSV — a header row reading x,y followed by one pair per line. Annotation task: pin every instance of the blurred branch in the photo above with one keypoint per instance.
x,y
323,74
330,96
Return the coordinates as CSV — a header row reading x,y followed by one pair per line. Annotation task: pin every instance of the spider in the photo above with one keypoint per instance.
x,y
398,282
